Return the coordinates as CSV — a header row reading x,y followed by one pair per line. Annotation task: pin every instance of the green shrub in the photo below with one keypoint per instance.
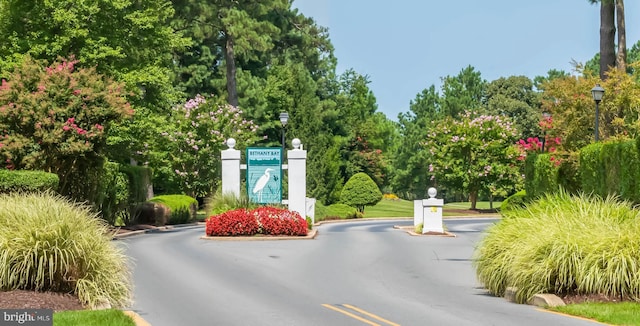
x,y
340,211
219,203
182,207
50,244
360,191
592,169
515,201
111,197
541,172
27,181
564,244
321,211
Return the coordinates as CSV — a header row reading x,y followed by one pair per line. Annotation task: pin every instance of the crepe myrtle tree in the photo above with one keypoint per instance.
x,y
360,191
195,135
473,153
56,118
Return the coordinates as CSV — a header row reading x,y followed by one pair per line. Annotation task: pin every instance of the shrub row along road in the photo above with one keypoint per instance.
x,y
358,273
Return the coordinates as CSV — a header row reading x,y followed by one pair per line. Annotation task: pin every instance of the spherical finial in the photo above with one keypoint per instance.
x,y
231,143
432,192
296,143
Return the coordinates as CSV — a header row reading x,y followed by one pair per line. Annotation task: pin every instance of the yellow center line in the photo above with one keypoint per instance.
x,y
370,315
350,315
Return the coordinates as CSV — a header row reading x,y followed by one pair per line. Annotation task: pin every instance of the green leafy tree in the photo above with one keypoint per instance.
x,y
570,103
538,81
360,191
514,97
473,154
57,119
410,177
464,91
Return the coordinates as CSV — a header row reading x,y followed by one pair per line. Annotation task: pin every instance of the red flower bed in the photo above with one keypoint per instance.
x,y
235,222
263,220
276,221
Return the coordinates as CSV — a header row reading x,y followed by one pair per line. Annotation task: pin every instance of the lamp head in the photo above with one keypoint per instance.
x,y
284,118
597,92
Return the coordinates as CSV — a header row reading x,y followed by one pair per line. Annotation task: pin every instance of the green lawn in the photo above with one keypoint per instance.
x,y
404,208
624,313
109,317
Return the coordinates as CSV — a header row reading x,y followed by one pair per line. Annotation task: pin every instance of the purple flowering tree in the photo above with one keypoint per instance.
x,y
196,133
473,153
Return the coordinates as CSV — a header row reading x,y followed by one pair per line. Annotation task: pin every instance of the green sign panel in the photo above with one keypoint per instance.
x,y
264,175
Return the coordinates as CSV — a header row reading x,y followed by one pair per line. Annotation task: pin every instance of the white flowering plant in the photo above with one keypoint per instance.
x,y
196,133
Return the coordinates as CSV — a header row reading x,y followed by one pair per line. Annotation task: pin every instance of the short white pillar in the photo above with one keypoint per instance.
x,y
297,163
310,209
432,213
231,169
418,212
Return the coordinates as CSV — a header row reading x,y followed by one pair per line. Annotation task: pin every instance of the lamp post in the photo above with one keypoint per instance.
x,y
284,118
597,92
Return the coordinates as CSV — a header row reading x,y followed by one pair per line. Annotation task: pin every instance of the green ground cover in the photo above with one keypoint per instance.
x,y
404,208
92,317
622,313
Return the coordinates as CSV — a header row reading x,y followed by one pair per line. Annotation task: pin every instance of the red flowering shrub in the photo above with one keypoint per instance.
x,y
235,222
277,221
263,220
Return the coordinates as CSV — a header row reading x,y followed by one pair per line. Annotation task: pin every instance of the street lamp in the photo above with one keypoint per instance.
x,y
597,93
284,118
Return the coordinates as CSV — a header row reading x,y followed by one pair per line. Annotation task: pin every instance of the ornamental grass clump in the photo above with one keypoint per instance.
x,y
564,244
48,243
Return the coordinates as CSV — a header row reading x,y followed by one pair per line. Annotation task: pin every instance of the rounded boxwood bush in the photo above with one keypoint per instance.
x,y
182,208
48,243
360,191
564,244
515,201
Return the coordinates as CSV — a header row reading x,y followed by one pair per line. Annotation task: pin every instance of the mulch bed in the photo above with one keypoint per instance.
x,y
584,298
21,299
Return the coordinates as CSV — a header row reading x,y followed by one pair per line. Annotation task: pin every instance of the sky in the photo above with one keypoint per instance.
x,y
405,46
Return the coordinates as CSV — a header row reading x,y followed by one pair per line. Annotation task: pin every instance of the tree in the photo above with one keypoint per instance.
x,y
621,55
514,97
410,173
607,36
193,139
57,119
472,154
360,191
570,103
462,92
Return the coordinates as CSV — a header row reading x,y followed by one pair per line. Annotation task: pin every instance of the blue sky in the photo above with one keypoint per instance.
x,y
405,46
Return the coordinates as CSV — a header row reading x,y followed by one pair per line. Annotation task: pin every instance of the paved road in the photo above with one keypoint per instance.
x,y
358,273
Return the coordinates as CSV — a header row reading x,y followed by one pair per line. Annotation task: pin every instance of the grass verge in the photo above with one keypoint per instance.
x,y
619,313
92,317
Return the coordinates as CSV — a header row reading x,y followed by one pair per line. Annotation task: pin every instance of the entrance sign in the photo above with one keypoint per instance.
x,y
264,175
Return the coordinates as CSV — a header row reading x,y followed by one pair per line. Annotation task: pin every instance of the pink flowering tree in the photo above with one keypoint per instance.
x,y
56,118
547,144
473,154
195,135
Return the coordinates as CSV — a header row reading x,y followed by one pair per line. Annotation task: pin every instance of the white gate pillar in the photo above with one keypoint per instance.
x,y
297,167
231,169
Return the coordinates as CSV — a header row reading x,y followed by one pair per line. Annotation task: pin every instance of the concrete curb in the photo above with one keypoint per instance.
x,y
543,300
310,236
410,231
156,229
136,318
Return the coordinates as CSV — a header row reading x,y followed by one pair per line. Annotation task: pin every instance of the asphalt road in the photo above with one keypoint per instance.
x,y
357,273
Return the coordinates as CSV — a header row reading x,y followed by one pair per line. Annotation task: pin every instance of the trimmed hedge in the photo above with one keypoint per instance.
x,y
541,173
611,168
27,181
182,208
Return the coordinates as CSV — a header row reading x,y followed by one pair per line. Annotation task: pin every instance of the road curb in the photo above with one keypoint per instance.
x,y
136,318
410,231
310,236
542,300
